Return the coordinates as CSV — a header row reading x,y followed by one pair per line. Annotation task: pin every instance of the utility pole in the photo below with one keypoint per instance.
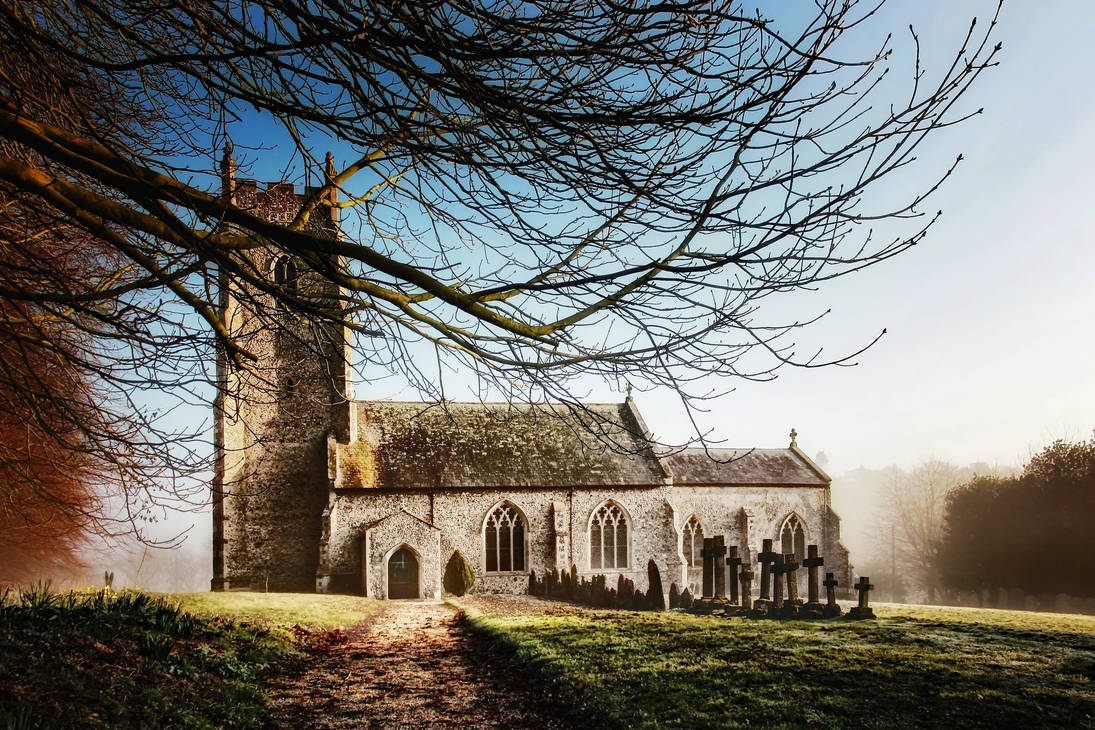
x,y
893,565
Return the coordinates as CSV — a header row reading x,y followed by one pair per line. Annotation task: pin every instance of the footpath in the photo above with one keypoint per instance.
x,y
412,664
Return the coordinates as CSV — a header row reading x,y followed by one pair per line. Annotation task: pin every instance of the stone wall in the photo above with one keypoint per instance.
x,y
557,528
272,419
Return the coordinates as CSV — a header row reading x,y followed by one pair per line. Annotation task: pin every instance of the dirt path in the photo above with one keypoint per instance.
x,y
410,665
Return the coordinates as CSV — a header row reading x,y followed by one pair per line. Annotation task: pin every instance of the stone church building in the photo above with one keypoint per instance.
x,y
315,491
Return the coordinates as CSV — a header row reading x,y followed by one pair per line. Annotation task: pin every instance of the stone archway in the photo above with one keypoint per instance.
x,y
403,574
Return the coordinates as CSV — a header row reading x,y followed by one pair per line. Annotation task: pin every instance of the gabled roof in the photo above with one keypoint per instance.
x,y
697,466
411,445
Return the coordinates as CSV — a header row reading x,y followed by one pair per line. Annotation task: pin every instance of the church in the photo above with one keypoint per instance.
x,y
316,491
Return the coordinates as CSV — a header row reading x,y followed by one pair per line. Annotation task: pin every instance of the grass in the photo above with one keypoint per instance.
x,y
98,659
278,610
914,667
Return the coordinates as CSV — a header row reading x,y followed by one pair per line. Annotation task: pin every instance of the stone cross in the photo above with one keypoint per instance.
x,y
708,554
719,567
790,568
732,562
812,563
746,578
863,610
831,606
777,584
766,558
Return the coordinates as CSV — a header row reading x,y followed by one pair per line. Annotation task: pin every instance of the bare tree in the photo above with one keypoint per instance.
x,y
536,190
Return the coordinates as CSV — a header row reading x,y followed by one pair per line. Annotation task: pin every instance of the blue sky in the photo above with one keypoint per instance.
x,y
988,355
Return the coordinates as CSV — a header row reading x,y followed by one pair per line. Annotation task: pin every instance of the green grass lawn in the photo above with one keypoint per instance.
x,y
914,667
95,659
278,610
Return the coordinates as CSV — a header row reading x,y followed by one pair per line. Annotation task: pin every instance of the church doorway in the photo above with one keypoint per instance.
x,y
402,574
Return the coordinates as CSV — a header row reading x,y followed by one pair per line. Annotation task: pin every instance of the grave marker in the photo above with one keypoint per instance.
x,y
732,562
746,588
832,608
766,557
790,604
863,610
718,567
777,586
708,554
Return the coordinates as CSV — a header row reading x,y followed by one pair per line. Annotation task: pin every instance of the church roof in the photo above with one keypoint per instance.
x,y
409,445
699,466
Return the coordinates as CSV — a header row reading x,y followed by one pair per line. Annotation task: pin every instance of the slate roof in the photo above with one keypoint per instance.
x,y
412,445
697,466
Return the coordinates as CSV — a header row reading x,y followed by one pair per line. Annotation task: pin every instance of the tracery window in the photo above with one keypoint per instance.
x,y
792,537
608,538
693,542
504,535
285,274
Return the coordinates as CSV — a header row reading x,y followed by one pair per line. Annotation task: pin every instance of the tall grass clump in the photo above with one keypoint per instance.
x,y
101,659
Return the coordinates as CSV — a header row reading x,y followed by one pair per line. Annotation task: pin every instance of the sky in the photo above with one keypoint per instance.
x,y
987,355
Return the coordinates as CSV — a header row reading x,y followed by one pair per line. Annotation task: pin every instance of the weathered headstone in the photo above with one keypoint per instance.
x,y
732,562
532,588
766,557
746,578
791,602
812,562
832,608
674,596
863,610
708,554
777,587
686,599
655,599
719,568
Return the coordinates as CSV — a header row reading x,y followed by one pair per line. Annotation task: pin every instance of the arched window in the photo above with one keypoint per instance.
x,y
504,537
608,538
285,274
792,537
693,542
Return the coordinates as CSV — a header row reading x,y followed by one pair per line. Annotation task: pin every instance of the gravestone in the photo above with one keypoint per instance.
x,y
832,608
686,599
863,610
732,562
532,587
791,603
778,570
674,596
708,554
719,568
812,608
746,578
655,599
766,557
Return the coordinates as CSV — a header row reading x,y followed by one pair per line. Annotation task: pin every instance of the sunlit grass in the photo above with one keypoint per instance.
x,y
914,667
279,610
990,616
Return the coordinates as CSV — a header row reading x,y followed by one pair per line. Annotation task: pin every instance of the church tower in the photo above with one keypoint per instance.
x,y
273,415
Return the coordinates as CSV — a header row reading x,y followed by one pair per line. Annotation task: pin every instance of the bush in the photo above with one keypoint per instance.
x,y
459,577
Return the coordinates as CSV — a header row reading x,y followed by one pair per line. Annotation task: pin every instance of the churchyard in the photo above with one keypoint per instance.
x,y
127,661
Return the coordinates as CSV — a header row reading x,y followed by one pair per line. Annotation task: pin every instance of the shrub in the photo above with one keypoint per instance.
x,y
459,577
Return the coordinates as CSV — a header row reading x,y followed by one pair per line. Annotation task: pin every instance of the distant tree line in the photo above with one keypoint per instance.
x,y
1031,532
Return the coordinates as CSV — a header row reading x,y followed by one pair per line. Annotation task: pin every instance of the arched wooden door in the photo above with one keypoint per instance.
x,y
402,574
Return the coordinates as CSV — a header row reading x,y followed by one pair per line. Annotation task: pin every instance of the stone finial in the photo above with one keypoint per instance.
x,y
628,388
794,435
